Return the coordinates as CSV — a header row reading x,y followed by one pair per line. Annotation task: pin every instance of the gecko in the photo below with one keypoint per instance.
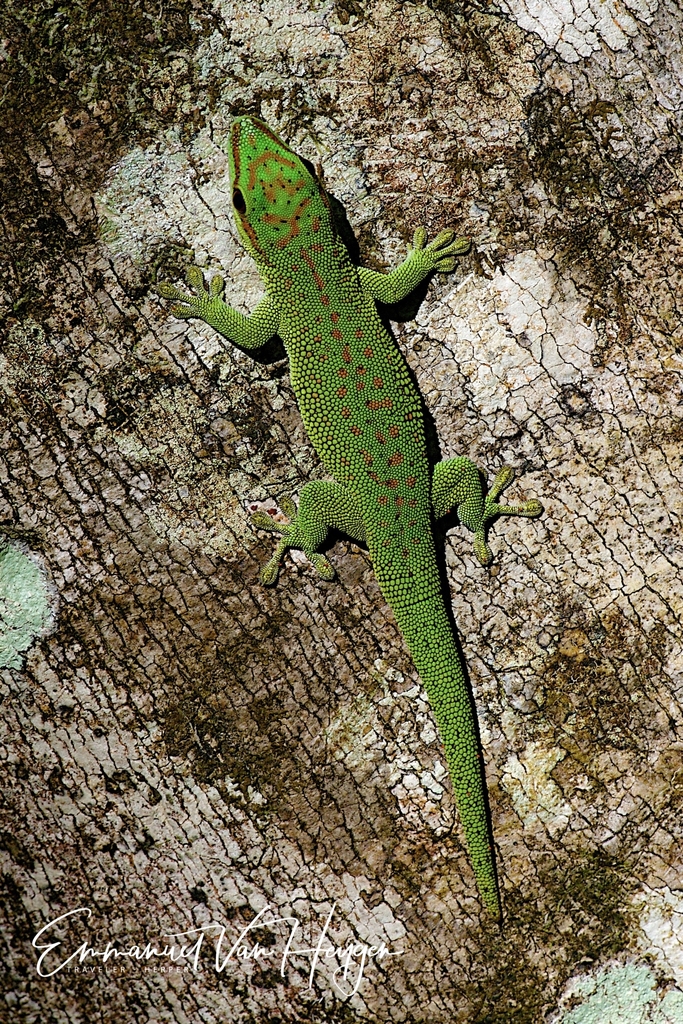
x,y
363,414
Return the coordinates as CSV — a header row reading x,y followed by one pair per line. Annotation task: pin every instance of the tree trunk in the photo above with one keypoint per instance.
x,y
183,747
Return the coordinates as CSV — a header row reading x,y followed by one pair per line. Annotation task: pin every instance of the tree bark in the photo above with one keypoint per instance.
x,y
182,747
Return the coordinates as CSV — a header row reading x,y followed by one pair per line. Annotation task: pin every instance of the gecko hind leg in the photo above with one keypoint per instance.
x,y
457,484
323,505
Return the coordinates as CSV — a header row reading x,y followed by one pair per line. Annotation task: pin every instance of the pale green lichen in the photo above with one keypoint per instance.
x,y
24,604
621,994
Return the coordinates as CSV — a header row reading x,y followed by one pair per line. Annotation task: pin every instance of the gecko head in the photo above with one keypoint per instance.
x,y
279,203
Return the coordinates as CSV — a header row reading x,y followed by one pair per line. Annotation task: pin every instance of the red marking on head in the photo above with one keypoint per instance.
x,y
411,481
342,392
393,431
396,459
378,382
367,352
346,354
337,334
346,413
384,403
357,431
382,500
280,184
263,159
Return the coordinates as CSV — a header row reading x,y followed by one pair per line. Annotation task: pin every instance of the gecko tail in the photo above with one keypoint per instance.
x,y
428,633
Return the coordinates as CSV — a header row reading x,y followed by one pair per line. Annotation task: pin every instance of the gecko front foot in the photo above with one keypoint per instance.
x,y
294,535
201,305
441,253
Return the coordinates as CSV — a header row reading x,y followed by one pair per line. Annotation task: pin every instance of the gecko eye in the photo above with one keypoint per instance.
x,y
238,201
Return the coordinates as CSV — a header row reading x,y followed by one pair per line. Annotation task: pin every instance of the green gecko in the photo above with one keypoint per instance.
x,y
364,416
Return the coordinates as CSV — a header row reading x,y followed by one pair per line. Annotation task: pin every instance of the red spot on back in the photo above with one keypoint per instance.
x,y
315,224
337,334
411,481
393,431
334,317
343,372
384,403
346,413
359,333
342,392
346,354
360,370
378,382
360,384
400,502
392,483
382,500
357,431
325,299
396,459
367,352
380,437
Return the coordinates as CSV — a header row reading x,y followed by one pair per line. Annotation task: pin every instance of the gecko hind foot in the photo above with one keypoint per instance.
x,y
504,478
293,536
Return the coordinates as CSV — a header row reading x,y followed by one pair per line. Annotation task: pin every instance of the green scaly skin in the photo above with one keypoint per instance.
x,y
364,416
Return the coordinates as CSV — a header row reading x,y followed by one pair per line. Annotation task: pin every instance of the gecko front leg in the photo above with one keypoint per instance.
x,y
246,331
